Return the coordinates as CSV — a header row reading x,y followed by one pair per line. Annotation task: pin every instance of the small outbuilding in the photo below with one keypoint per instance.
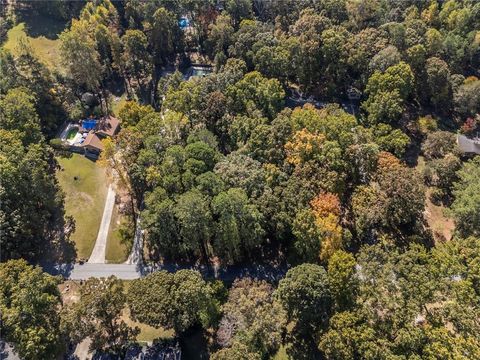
x,y
467,145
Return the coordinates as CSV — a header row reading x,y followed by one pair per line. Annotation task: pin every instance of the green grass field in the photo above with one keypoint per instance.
x,y
85,186
47,50
116,252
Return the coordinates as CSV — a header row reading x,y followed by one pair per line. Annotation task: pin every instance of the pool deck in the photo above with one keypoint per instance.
x,y
77,140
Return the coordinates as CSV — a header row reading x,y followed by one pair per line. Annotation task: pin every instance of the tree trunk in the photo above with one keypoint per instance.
x,y
106,101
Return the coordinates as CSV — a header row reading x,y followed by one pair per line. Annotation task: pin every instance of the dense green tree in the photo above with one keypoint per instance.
x,y
80,56
165,35
241,171
9,71
361,47
334,55
397,77
305,295
465,206
438,82
18,113
385,58
349,337
308,236
132,112
29,310
467,98
238,229
384,107
236,351
308,29
438,144
31,211
220,36
387,93
239,10
394,200
161,228
28,73
342,279
97,315
265,94
174,301
136,58
244,39
396,294
252,317
194,219
391,140
266,144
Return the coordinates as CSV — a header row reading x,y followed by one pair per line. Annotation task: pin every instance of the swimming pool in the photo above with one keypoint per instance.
x,y
72,132
89,124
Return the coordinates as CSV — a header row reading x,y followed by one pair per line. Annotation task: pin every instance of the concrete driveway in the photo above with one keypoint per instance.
x,y
98,253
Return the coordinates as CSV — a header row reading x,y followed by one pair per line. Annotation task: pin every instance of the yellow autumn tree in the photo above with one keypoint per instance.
x,y
303,147
326,210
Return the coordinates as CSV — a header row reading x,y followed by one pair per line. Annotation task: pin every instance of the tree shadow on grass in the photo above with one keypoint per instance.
x,y
41,25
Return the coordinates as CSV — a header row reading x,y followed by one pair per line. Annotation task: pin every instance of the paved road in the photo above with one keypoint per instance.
x,y
135,271
121,271
98,253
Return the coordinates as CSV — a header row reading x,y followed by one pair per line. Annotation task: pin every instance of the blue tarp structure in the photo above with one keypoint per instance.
x,y
183,23
89,124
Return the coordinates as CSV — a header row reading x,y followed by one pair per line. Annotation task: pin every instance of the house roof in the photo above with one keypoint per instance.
x,y
93,140
467,145
108,126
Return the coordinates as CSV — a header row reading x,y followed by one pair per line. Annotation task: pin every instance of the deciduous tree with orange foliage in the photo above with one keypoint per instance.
x,y
317,230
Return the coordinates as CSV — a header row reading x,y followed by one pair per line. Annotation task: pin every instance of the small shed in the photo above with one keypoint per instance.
x,y
467,145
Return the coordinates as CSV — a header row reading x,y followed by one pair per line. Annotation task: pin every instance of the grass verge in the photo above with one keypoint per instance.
x,y
85,186
116,251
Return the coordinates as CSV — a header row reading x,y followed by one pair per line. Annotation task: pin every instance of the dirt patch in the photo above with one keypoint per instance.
x,y
70,291
442,226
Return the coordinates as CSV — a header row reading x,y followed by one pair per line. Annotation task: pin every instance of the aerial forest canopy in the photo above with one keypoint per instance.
x,y
321,134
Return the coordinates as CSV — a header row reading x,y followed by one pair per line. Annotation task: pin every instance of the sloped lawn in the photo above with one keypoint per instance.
x,y
85,186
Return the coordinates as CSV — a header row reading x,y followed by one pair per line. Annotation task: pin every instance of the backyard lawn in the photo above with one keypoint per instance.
x,y
85,186
47,50
147,333
116,251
